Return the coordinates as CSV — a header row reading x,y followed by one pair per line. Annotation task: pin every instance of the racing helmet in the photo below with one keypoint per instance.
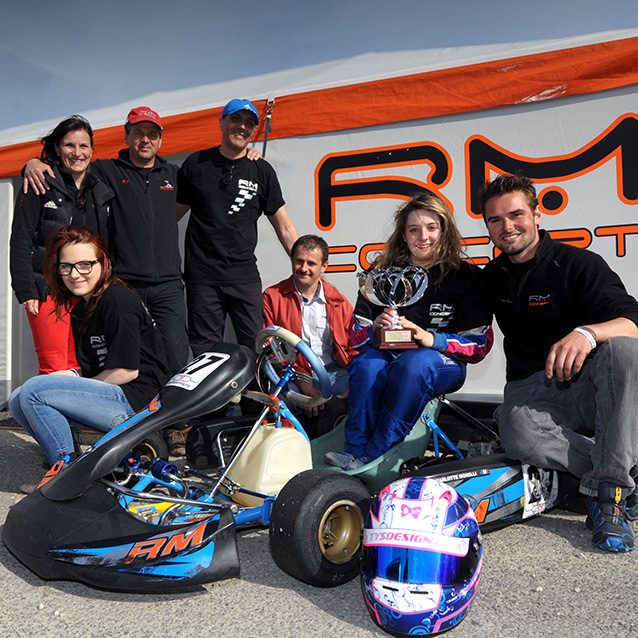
x,y
421,558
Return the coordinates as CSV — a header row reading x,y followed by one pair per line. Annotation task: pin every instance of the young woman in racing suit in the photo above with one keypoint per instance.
x,y
451,322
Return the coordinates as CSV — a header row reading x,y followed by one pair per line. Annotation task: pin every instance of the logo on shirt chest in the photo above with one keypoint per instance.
x,y
440,315
247,190
246,184
538,300
98,343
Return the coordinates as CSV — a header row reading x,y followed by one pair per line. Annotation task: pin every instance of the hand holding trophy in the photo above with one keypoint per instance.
x,y
394,287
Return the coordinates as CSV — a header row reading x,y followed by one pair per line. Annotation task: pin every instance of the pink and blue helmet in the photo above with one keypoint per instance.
x,y
422,554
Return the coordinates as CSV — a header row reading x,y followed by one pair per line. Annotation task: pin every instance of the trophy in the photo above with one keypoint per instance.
x,y
395,288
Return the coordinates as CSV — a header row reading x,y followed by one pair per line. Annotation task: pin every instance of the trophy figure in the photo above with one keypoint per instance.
x,y
394,288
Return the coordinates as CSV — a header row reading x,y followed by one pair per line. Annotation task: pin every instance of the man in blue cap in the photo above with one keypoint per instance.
x,y
226,193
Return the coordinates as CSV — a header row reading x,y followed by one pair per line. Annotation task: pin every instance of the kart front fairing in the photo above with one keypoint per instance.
x,y
74,528
93,540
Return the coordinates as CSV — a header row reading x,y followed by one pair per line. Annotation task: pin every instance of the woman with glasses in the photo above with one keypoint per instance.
x,y
76,197
121,358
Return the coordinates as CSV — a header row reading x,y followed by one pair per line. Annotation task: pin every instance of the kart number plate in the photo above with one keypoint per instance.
x,y
198,369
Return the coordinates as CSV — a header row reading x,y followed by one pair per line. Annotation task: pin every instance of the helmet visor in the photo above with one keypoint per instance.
x,y
411,565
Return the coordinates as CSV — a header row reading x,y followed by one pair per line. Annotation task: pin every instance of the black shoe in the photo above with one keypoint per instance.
x,y
608,519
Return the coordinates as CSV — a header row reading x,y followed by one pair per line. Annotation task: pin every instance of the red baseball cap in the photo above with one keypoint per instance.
x,y
144,114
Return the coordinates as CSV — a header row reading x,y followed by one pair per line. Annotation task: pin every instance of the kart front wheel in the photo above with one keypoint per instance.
x,y
315,527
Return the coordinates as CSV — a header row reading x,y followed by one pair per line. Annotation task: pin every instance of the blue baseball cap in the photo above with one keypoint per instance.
x,y
240,105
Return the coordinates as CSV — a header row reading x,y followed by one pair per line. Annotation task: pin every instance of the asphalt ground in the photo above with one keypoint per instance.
x,y
540,578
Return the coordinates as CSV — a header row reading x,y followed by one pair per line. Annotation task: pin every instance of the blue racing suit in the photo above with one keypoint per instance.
x,y
389,389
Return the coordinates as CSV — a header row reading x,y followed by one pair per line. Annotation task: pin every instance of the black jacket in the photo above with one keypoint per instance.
x,y
538,302
38,216
144,236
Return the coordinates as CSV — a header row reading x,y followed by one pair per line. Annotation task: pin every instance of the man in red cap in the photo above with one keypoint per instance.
x,y
144,235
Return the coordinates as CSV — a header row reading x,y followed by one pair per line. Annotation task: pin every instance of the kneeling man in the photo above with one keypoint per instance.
x,y
571,343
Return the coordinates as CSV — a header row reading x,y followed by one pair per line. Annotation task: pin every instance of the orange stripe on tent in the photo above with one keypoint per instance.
x,y
542,76
182,133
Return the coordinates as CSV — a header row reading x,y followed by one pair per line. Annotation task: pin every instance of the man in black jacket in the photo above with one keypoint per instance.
x,y
571,343
144,235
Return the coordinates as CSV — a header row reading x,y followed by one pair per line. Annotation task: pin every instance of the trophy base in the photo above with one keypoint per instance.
x,y
394,339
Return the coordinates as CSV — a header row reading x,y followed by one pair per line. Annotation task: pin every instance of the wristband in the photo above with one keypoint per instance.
x,y
75,372
591,331
587,332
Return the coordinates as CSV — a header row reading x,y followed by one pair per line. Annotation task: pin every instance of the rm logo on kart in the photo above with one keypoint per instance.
x,y
165,545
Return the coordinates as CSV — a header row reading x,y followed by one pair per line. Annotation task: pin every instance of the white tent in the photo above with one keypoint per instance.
x,y
349,139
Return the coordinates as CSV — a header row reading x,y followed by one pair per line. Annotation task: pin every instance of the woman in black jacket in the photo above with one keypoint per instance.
x,y
75,197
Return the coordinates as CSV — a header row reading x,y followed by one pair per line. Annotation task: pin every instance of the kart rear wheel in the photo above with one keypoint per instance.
x,y
153,447
315,527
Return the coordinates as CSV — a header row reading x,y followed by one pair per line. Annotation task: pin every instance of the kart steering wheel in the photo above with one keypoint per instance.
x,y
285,347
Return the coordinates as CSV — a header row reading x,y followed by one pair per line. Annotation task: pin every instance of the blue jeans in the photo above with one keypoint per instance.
x,y
46,406
587,427
388,393
338,378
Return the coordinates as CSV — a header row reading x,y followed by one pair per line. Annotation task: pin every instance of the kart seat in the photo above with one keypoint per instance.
x,y
385,469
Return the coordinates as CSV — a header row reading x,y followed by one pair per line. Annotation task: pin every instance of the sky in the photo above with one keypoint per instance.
x,y
70,56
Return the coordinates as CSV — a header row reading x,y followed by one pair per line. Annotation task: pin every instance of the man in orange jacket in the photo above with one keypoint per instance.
x,y
310,307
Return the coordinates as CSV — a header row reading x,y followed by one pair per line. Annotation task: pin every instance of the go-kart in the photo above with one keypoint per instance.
x,y
116,519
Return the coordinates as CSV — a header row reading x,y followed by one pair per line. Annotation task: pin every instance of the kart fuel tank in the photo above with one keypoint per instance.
x,y
272,457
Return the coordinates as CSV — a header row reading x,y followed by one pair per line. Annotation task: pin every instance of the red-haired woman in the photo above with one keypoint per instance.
x,y
121,358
